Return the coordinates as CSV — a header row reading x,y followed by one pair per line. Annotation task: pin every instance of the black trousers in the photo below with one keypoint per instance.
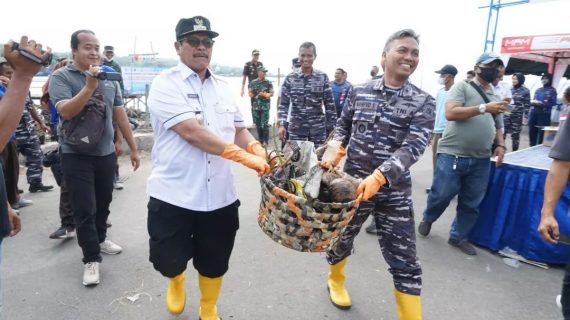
x,y
536,120
178,235
65,211
90,183
565,300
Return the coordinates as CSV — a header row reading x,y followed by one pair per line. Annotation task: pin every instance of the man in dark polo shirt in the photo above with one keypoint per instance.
x,y
250,71
556,181
89,174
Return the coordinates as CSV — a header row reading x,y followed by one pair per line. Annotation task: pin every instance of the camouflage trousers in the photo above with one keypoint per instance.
x,y
308,131
260,117
394,218
261,120
30,148
513,125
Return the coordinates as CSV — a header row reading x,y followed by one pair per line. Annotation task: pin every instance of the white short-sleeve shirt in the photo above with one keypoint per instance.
x,y
182,174
503,90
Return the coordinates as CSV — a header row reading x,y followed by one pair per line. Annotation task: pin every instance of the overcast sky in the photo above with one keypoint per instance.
x,y
348,34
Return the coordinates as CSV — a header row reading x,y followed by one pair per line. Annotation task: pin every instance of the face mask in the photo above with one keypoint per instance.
x,y
544,81
441,81
488,74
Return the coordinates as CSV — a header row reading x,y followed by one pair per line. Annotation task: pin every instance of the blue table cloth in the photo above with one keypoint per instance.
x,y
510,211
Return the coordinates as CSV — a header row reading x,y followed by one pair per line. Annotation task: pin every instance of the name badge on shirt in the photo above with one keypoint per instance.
x,y
192,96
368,107
404,110
317,88
297,83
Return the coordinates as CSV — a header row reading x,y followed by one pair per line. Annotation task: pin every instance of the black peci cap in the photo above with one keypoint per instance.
x,y
188,26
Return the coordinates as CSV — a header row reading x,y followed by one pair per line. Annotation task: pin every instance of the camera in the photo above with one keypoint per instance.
x,y
108,73
31,56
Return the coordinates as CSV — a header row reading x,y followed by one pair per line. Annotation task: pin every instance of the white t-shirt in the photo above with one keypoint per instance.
x,y
503,90
182,174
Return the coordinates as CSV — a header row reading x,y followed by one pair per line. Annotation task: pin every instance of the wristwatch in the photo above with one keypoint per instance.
x,y
482,108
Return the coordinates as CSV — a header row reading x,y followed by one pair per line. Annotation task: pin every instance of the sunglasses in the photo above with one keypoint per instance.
x,y
195,42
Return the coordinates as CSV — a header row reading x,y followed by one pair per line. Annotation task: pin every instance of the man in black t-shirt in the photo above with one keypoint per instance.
x,y
556,181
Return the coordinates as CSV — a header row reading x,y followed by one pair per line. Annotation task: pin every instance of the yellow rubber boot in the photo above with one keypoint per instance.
x,y
176,295
337,291
409,306
210,289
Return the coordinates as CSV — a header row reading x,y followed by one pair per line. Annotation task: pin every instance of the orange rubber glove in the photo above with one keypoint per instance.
x,y
340,153
254,147
370,185
266,95
237,154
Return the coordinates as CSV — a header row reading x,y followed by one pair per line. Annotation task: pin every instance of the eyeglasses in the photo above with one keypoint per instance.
x,y
195,42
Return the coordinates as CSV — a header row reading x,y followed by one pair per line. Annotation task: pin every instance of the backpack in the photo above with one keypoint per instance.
x,y
84,131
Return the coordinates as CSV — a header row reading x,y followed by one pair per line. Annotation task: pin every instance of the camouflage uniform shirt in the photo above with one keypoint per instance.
x,y
388,133
26,128
307,94
117,68
257,86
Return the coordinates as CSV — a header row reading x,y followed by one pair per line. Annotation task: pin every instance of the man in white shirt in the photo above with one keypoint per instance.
x,y
502,89
193,206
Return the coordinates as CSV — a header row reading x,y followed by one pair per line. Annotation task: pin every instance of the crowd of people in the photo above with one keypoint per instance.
x,y
382,127
84,163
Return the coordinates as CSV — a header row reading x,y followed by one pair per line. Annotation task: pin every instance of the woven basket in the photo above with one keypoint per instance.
x,y
299,224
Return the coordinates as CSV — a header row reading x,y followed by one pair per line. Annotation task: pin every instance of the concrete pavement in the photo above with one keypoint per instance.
x,y
41,278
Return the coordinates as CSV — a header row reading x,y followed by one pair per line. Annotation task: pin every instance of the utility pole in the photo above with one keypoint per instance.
x,y
493,20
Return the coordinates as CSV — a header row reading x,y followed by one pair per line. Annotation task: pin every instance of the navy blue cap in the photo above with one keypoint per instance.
x,y
448,69
296,62
489,57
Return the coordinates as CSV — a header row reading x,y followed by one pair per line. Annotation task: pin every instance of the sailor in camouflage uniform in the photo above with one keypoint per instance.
x,y
109,54
307,90
29,145
261,91
521,102
385,129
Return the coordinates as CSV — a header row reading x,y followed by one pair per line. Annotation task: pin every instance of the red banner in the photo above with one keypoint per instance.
x,y
543,43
